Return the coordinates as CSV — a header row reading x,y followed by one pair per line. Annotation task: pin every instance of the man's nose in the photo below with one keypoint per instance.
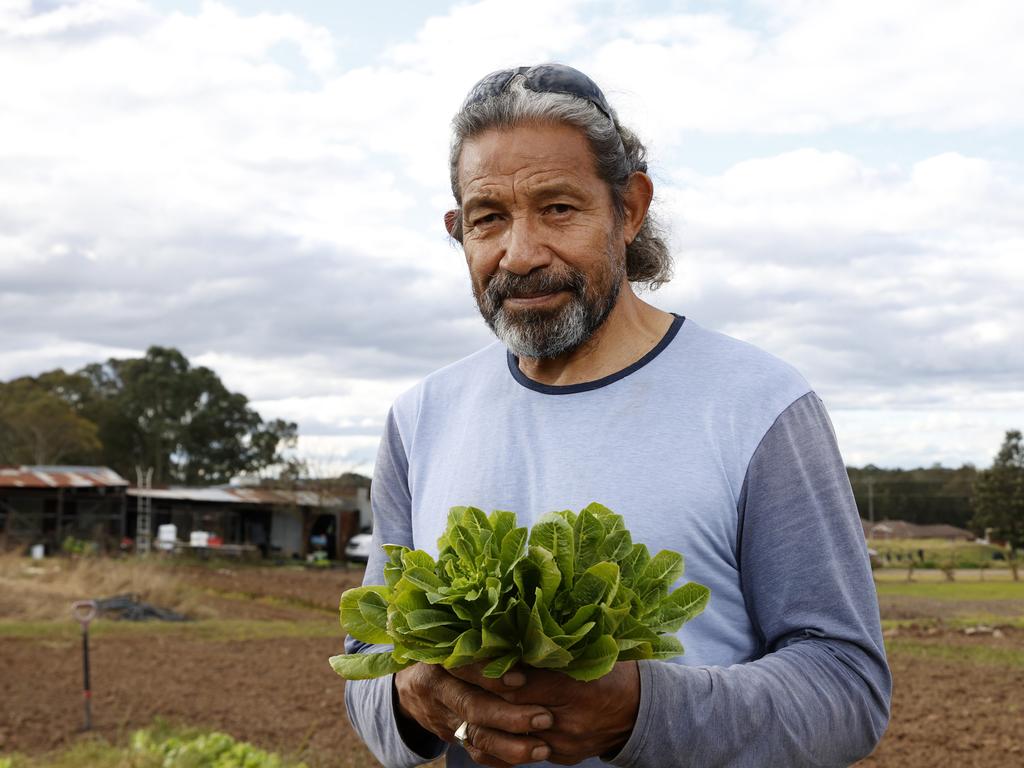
x,y
524,249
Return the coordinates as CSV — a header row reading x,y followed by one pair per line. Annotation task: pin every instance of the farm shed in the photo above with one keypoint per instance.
x,y
277,522
45,505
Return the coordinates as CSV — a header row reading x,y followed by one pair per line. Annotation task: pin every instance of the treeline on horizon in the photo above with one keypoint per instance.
x,y
926,496
162,412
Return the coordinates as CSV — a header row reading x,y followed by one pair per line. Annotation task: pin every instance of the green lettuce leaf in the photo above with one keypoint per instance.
x,y
364,666
554,534
596,661
355,621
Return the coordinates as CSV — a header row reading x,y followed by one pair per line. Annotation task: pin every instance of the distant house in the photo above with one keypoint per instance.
x,y
45,505
900,529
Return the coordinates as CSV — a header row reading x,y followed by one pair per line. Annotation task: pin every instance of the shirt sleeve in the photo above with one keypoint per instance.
x,y
819,693
370,703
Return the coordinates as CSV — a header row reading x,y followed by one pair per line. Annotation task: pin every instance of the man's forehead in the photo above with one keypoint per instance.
x,y
539,186
534,154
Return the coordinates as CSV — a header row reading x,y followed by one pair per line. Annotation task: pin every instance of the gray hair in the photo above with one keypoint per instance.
x,y
617,151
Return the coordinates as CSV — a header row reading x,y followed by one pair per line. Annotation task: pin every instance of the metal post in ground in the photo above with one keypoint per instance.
x,y
84,612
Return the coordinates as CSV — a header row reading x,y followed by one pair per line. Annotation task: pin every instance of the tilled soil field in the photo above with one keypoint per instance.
x,y
277,693
953,712
950,707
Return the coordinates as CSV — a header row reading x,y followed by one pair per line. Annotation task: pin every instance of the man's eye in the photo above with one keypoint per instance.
x,y
490,218
559,208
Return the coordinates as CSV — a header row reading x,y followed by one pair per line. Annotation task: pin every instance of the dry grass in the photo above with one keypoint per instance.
x,y
44,590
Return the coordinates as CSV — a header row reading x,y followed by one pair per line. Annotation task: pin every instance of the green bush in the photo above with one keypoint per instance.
x,y
79,547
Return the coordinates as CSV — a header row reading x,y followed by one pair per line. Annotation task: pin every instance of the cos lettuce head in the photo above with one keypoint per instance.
x,y
574,593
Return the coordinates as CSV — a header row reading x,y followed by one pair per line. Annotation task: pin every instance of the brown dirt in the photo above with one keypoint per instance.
x,y
280,694
907,607
954,712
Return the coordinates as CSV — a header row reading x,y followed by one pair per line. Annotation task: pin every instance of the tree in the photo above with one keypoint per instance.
x,y
38,427
999,497
159,411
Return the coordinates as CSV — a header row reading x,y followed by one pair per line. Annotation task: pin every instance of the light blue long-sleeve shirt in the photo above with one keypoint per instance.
x,y
707,446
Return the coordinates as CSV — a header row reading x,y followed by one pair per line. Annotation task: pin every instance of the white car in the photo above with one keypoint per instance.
x,y
358,548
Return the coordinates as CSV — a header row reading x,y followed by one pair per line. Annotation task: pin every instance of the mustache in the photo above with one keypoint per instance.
x,y
508,285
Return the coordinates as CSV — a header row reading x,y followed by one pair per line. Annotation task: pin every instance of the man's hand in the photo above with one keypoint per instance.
x,y
590,719
498,729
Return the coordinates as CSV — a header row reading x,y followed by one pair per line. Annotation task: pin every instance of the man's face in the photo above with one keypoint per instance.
x,y
546,253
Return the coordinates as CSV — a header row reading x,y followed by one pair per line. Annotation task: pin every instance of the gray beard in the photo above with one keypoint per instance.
x,y
542,337
546,334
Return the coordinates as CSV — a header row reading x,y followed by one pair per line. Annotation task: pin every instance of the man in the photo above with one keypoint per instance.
x,y
704,444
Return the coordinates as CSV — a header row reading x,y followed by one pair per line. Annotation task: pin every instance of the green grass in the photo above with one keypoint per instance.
x,y
982,655
161,746
938,545
958,622
936,574
94,753
938,553
954,590
226,630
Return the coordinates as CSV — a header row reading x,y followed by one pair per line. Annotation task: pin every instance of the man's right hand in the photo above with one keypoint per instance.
x,y
498,731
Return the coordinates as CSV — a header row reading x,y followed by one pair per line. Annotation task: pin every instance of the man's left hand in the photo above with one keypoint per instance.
x,y
591,719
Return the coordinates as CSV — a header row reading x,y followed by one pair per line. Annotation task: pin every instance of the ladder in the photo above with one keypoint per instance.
x,y
144,525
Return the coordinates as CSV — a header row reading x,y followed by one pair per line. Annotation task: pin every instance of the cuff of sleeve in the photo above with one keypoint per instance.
x,y
629,755
421,744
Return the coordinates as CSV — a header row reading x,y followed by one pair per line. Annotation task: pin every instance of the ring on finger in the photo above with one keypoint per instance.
x,y
462,733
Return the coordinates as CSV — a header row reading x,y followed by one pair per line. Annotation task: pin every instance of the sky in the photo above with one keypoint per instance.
x,y
261,184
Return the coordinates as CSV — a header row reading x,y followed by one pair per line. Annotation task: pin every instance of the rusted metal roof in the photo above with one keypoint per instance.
x,y
103,477
262,496
59,477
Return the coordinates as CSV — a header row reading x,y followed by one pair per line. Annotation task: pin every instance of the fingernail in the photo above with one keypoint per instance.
x,y
540,753
514,679
540,722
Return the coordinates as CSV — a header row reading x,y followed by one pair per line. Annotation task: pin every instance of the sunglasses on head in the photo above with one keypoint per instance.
x,y
542,78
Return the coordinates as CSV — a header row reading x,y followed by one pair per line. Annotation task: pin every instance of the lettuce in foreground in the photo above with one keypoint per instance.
x,y
573,594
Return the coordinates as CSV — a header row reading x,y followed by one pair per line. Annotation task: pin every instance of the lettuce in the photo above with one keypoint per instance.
x,y
574,593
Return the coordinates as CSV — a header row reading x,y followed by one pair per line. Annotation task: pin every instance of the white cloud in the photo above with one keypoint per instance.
x,y
894,288
57,353
329,456
18,22
939,65
492,35
168,178
818,195
898,438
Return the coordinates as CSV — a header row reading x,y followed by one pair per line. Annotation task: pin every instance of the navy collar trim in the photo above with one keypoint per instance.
x,y
586,386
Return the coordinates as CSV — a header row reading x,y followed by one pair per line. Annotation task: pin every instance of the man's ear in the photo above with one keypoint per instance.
x,y
452,222
636,201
